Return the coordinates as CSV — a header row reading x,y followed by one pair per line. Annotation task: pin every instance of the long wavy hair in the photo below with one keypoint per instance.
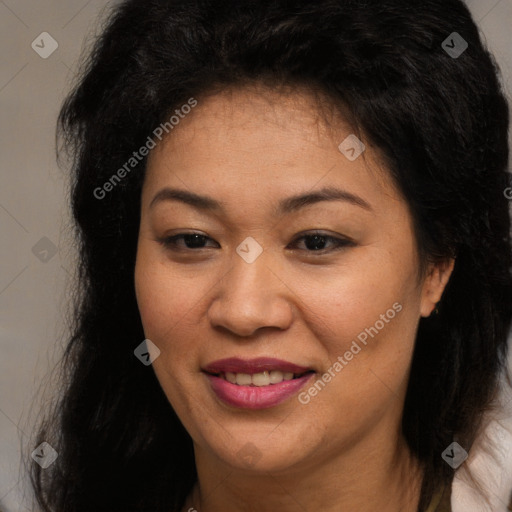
x,y
441,122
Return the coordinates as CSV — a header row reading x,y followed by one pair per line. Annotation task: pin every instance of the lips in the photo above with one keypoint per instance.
x,y
251,366
248,383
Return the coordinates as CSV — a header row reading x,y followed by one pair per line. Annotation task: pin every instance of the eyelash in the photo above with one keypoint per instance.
x,y
340,243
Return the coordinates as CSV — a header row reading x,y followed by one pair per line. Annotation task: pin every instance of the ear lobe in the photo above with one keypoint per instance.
x,y
435,284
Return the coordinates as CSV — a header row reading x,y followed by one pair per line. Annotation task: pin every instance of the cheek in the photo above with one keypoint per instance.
x,y
367,328
367,314
165,304
370,293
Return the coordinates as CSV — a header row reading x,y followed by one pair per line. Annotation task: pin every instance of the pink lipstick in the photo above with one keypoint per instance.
x,y
256,383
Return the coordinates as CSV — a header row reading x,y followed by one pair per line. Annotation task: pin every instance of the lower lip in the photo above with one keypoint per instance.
x,y
256,397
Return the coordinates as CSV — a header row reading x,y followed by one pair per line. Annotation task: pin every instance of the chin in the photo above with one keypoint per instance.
x,y
257,452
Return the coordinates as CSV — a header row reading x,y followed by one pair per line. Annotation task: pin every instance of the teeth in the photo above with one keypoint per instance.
x,y
257,379
261,379
243,379
231,377
276,376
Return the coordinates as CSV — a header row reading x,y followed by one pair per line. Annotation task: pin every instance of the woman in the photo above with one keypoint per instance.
x,y
295,253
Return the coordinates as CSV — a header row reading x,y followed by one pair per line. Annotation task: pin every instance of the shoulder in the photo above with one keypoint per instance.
x,y
441,501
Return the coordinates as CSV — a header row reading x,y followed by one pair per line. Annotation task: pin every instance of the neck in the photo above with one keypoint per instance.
x,y
366,478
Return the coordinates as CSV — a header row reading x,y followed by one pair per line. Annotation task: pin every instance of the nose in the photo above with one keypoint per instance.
x,y
251,296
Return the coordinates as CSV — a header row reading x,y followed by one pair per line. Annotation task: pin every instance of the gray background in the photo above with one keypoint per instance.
x,y
34,293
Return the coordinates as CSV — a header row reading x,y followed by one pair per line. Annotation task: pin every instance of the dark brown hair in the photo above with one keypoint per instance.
x,y
441,122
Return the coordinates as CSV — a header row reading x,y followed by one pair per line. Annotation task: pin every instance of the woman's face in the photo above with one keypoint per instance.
x,y
258,284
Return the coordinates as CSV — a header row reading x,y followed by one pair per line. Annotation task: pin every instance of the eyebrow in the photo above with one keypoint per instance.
x,y
285,206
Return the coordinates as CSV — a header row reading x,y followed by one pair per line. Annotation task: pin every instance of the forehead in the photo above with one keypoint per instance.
x,y
249,143
260,119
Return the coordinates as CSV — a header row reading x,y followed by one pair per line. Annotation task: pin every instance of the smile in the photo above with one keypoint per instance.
x,y
255,384
265,378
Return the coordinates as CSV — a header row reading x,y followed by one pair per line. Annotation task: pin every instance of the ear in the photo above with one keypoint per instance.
x,y
437,278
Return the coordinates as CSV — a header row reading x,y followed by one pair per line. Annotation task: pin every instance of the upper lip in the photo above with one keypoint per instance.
x,y
251,366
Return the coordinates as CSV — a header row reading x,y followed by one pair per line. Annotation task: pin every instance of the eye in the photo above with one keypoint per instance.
x,y
191,240
316,241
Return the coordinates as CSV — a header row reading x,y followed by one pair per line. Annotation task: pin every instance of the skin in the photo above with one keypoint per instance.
x,y
343,450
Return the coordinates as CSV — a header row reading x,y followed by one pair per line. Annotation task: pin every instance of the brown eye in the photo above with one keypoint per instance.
x,y
191,240
316,242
